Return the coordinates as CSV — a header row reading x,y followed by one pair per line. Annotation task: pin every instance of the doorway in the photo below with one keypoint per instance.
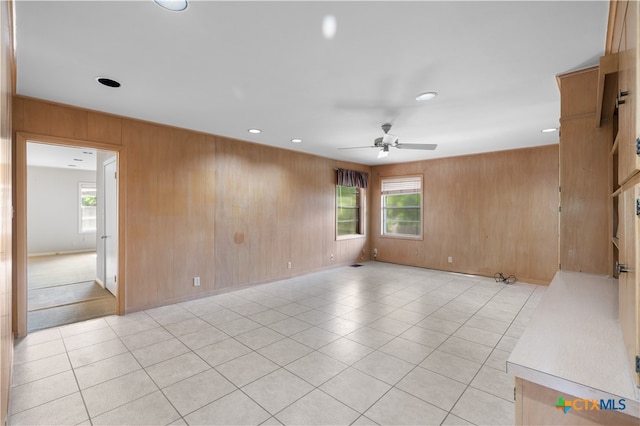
x,y
72,234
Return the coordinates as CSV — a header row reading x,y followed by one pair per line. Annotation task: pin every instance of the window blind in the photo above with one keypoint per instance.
x,y
405,185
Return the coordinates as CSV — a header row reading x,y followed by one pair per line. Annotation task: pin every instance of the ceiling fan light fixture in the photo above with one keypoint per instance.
x,y
383,152
426,96
172,5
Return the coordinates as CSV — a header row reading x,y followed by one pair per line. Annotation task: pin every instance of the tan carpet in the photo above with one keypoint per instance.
x,y
61,269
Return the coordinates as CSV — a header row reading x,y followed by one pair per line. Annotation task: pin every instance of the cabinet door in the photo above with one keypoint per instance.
x,y
628,297
629,161
628,120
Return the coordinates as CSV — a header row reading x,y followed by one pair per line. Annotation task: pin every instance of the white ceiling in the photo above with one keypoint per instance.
x,y
64,157
225,67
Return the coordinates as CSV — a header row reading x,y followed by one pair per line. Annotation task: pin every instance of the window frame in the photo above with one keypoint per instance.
x,y
81,208
417,178
361,227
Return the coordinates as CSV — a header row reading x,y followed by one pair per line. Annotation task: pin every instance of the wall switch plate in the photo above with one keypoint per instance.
x,y
450,259
196,281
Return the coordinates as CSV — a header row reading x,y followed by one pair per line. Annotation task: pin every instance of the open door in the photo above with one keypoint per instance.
x,y
110,236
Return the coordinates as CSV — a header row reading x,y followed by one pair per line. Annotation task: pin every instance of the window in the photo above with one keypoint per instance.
x,y
402,207
88,202
350,220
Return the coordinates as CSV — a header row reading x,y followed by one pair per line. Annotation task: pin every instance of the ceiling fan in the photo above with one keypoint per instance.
x,y
389,140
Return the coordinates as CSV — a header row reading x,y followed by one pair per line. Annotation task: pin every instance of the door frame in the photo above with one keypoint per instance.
x,y
20,221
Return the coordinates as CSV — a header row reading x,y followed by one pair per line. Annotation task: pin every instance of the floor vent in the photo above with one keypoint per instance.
x,y
356,265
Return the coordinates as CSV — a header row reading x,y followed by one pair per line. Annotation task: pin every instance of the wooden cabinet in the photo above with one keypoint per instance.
x,y
584,150
628,158
628,301
599,364
622,47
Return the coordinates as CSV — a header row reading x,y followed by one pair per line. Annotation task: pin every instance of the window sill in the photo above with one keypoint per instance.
x,y
403,237
350,237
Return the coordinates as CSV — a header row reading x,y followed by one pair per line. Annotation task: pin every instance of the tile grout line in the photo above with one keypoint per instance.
x,y
483,364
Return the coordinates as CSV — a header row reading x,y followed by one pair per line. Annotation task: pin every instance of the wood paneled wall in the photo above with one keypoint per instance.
x,y
494,212
7,68
584,176
231,212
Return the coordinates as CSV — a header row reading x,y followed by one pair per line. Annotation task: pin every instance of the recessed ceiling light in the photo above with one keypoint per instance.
x,y
255,131
329,27
296,140
426,96
172,5
107,82
549,130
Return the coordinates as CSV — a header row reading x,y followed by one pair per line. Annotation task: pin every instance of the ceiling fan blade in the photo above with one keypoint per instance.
x,y
358,147
429,146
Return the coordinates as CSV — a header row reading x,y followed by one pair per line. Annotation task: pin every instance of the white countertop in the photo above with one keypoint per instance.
x,y
573,342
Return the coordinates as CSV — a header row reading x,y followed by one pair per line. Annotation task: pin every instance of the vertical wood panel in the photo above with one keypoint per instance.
x,y
52,119
584,236
578,92
628,300
584,176
169,219
104,128
7,68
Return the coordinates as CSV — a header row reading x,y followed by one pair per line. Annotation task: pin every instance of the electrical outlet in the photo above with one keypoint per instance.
x,y
450,259
196,281
332,257
375,252
288,265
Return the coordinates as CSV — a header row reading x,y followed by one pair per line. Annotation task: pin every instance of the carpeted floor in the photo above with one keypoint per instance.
x,y
62,290
61,269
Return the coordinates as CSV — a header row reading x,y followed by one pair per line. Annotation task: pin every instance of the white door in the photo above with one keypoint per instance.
x,y
110,237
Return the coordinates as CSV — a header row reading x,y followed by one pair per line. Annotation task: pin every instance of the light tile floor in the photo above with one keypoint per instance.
x,y
379,344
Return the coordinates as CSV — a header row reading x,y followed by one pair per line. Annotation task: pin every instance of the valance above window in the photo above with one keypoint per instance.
x,y
353,178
